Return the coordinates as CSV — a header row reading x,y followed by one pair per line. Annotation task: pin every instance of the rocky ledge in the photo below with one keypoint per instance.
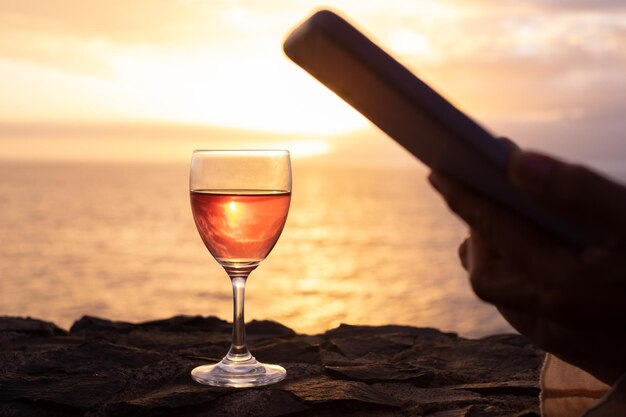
x,y
106,368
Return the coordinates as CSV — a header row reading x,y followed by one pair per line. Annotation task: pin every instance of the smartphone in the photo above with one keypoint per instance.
x,y
413,114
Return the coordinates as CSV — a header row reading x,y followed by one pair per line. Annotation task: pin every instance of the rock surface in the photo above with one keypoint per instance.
x,y
103,368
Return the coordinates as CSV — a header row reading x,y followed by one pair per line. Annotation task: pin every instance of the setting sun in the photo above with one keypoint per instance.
x,y
256,91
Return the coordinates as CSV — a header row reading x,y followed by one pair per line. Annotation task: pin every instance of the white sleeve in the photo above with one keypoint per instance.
x,y
567,391
613,403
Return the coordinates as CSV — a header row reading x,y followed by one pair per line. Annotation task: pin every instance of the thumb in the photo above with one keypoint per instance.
x,y
571,191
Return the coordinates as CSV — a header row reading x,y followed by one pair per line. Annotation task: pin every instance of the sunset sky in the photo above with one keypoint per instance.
x,y
548,73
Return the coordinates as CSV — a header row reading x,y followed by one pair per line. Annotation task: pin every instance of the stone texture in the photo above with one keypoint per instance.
x,y
103,368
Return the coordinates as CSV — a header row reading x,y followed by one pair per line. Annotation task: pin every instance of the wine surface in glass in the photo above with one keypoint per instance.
x,y
240,226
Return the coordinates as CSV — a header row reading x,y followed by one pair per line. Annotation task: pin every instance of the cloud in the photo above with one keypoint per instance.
x,y
139,21
580,4
520,63
80,36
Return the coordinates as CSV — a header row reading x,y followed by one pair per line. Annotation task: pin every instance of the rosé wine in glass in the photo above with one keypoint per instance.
x,y
241,226
240,201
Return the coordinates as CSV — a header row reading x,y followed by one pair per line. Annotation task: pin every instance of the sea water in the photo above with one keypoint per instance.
x,y
361,246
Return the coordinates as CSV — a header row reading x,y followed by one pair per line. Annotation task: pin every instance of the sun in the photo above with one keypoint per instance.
x,y
306,147
249,91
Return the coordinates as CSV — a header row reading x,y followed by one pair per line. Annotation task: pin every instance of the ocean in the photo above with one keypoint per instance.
x,y
117,240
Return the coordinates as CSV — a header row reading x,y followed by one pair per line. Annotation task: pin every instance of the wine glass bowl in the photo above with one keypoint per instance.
x,y
239,201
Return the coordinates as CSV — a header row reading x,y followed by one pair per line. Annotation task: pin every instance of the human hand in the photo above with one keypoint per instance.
x,y
569,302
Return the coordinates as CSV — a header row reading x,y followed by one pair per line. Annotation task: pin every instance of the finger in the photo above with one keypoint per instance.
x,y
592,292
479,252
493,282
463,253
584,307
569,300
572,191
588,294
505,230
512,145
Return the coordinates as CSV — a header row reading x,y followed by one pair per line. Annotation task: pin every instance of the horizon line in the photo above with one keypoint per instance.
x,y
154,128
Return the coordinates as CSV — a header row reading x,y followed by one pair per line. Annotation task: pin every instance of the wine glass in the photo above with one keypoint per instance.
x,y
239,201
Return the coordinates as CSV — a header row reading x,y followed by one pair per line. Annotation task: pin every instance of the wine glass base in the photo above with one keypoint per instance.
x,y
227,373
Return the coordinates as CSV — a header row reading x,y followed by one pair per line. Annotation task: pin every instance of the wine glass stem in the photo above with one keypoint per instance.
x,y
238,349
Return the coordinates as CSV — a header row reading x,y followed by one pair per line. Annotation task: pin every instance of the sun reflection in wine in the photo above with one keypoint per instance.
x,y
233,215
240,227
